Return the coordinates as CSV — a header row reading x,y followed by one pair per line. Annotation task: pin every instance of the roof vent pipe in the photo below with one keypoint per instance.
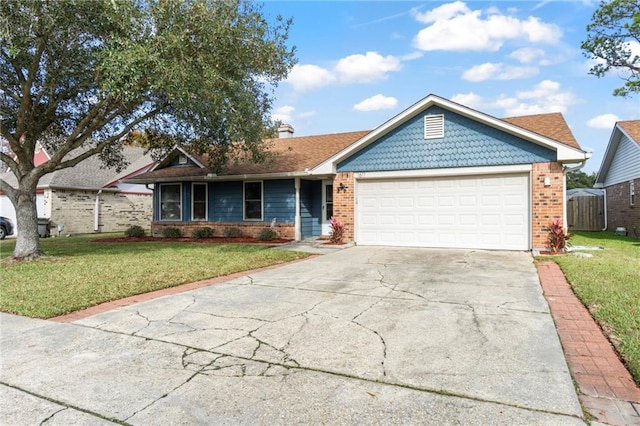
x,y
285,131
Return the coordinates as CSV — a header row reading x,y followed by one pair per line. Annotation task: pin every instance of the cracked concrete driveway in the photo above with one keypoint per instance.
x,y
363,335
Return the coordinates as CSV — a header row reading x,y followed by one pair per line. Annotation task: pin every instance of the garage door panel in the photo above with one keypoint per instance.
x,y
466,212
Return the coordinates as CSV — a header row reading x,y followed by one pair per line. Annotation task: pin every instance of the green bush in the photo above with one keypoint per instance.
x,y
135,231
199,233
267,234
171,232
232,232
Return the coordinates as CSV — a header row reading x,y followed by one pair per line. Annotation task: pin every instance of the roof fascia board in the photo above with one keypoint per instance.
x,y
612,146
216,178
182,150
564,152
141,170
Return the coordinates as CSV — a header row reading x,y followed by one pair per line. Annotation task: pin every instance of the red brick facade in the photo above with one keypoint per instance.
x,y
620,212
344,203
547,201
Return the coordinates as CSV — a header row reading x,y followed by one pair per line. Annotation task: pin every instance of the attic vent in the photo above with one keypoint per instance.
x,y
182,159
434,126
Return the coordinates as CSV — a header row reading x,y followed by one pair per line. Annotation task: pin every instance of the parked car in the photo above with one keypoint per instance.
x,y
6,227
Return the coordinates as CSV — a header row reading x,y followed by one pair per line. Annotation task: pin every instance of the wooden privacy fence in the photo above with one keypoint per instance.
x,y
585,213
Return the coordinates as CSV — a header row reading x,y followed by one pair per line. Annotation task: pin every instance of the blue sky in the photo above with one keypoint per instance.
x,y
362,62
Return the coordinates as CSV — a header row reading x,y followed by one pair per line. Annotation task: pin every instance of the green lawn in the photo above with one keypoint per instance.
x,y
78,273
609,285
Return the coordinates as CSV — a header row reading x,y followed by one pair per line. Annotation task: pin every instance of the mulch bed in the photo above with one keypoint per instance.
x,y
213,240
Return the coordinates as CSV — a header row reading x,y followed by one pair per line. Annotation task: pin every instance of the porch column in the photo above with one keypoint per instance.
x,y
298,222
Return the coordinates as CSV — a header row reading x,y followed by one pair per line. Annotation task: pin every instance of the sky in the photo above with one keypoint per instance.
x,y
360,63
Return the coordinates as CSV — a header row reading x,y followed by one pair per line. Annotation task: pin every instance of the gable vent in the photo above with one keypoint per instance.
x,y
434,126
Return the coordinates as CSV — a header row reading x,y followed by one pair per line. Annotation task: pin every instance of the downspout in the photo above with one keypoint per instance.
x,y
606,225
298,219
96,219
566,170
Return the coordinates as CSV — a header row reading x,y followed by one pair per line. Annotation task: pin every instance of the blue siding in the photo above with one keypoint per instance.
x,y
310,207
226,201
279,200
466,143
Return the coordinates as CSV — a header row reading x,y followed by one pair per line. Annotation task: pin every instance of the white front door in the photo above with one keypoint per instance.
x,y
327,206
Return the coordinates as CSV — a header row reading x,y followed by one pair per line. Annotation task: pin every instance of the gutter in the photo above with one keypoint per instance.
x,y
96,218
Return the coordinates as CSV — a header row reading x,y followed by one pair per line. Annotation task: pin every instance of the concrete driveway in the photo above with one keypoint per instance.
x,y
363,335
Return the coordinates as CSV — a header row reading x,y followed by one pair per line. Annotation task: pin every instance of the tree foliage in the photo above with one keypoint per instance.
x,y
580,179
77,76
612,41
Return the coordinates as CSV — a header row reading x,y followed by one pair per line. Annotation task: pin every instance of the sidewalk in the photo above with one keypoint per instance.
x,y
606,389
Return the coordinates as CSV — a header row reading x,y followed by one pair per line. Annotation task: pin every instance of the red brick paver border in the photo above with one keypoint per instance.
x,y
607,390
115,304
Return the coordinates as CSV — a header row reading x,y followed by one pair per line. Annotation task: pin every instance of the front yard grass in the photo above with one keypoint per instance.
x,y
609,285
78,273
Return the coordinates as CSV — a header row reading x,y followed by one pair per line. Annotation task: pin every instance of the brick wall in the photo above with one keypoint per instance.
x,y
343,203
75,210
619,212
546,201
284,230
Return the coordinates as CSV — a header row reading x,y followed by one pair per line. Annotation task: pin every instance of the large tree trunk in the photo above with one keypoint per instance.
x,y
27,240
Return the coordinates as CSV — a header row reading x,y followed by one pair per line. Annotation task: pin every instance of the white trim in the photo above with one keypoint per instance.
x,y
177,148
206,200
564,152
325,224
160,219
632,193
244,207
462,171
298,216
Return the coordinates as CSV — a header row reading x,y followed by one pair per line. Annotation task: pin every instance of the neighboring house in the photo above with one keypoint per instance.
x,y
438,174
89,198
619,176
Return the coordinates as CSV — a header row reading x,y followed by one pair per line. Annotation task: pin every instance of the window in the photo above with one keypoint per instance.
x,y
182,159
328,194
632,193
170,201
253,200
199,201
434,126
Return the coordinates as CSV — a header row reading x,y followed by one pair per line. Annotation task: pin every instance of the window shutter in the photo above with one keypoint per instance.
x,y
434,126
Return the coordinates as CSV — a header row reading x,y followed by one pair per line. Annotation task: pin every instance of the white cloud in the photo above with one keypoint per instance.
x,y
304,78
440,13
366,68
283,114
546,96
497,71
527,55
604,121
376,103
470,100
455,27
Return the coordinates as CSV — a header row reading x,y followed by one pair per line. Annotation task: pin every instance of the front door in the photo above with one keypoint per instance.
x,y
327,206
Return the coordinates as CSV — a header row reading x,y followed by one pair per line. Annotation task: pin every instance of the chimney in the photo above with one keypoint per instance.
x,y
285,131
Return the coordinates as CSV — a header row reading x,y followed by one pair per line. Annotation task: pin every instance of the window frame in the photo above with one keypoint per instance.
x,y
244,201
160,202
206,201
632,193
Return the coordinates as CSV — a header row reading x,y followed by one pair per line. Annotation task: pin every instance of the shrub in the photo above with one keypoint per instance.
x,y
557,237
135,231
171,232
337,231
267,234
199,233
232,232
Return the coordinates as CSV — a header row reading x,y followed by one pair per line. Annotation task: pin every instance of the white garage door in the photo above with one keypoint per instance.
x,y
484,212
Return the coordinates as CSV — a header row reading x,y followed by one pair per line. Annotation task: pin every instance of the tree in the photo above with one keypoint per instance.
x,y
612,41
78,76
579,179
